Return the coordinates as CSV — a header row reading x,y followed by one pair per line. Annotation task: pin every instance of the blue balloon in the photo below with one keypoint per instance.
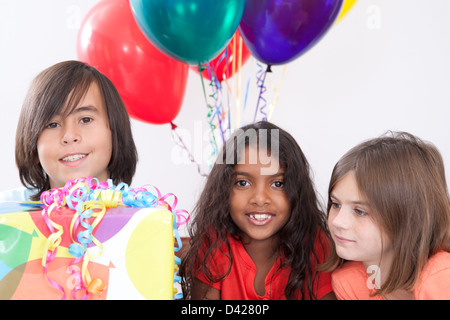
x,y
191,31
279,31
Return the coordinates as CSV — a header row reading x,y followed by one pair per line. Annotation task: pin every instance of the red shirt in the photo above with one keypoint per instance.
x,y
239,283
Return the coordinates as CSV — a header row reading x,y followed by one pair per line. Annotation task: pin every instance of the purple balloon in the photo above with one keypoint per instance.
x,y
279,31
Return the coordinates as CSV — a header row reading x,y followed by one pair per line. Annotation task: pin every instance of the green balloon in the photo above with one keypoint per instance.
x,y
191,31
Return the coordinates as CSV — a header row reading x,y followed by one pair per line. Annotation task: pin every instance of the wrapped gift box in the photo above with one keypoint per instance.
x,y
133,257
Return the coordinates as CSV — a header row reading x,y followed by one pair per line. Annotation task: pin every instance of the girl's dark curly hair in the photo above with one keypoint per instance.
x,y
212,220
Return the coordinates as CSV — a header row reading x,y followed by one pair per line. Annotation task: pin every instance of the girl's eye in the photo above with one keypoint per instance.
x,y
242,183
335,205
278,184
360,213
86,120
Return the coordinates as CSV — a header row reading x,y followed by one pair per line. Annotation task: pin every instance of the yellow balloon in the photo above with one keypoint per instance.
x,y
345,8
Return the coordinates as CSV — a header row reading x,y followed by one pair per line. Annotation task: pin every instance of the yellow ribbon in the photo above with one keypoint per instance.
x,y
106,198
109,197
55,238
99,211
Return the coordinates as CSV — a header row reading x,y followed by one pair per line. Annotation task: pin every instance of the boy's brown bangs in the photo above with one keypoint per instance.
x,y
78,91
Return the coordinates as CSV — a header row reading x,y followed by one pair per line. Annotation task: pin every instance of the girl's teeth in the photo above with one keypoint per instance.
x,y
260,217
74,157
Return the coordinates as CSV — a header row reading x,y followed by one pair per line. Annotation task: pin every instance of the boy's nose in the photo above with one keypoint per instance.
x,y
71,135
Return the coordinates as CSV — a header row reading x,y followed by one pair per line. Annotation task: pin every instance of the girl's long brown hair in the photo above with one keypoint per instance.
x,y
212,221
403,179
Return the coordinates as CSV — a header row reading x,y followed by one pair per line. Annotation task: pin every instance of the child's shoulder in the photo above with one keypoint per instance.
x,y
438,261
350,282
434,280
215,244
354,268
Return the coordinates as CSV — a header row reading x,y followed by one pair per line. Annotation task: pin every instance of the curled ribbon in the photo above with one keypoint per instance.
x,y
261,77
90,198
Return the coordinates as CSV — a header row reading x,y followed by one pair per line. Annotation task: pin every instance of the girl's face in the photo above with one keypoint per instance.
x,y
79,145
259,206
354,232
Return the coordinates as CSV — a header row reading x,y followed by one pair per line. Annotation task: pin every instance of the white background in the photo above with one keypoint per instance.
x,y
385,66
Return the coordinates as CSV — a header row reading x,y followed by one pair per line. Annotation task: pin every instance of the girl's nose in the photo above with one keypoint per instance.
x,y
340,219
261,197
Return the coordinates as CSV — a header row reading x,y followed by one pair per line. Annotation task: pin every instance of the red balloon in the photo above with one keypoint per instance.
x,y
151,84
223,64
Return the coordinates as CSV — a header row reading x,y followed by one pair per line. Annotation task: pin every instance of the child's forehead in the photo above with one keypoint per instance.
x,y
260,161
255,151
80,94
348,189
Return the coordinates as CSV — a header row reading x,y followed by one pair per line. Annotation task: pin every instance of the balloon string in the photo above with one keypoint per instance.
x,y
234,124
229,92
277,95
212,127
261,77
217,88
216,95
238,98
180,142
248,84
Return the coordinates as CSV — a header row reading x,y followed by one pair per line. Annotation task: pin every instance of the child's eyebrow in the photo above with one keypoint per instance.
x,y
84,109
333,196
88,108
241,173
355,202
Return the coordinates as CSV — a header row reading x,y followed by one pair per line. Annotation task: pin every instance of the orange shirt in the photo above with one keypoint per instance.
x,y
239,284
350,280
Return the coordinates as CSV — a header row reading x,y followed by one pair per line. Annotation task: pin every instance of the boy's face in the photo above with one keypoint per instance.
x,y
79,145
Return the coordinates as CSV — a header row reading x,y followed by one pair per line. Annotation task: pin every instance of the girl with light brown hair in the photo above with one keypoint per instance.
x,y
389,218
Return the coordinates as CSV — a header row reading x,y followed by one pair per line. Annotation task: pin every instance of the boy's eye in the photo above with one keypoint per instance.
x,y
86,120
52,125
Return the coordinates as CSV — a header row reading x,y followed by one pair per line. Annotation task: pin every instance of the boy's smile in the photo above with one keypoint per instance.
x,y
79,145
